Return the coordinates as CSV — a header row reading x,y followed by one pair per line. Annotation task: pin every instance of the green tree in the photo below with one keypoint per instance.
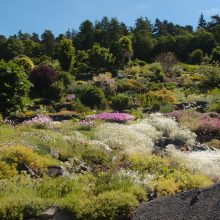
x,y
48,42
204,40
14,47
100,57
82,61
143,46
184,46
202,22
214,27
85,36
66,54
25,62
126,49
14,87
143,41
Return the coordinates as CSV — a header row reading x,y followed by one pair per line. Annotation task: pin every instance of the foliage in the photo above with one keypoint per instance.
x,y
24,61
114,205
24,155
6,170
42,77
216,54
106,82
96,156
93,97
196,56
66,54
211,77
14,87
100,57
40,121
120,102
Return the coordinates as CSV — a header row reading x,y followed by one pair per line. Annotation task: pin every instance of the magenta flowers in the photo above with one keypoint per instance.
x,y
114,117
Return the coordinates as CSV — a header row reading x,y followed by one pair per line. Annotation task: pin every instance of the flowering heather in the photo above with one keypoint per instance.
x,y
114,117
209,127
40,121
86,124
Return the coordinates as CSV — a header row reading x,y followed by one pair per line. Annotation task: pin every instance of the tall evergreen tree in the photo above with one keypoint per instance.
x,y
48,42
202,22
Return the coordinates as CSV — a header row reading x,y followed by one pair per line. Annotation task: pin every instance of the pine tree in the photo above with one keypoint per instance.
x,y
202,22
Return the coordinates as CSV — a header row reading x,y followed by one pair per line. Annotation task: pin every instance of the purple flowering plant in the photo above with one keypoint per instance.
x,y
86,124
40,121
112,117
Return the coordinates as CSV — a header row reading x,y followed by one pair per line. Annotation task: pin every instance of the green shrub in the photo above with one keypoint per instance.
x,y
58,187
93,97
66,77
96,156
167,186
157,72
196,56
14,87
109,181
113,205
79,107
151,164
56,90
25,62
216,54
24,155
7,170
211,77
166,108
120,102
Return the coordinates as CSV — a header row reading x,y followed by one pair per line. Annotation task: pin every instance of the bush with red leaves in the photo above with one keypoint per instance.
x,y
43,76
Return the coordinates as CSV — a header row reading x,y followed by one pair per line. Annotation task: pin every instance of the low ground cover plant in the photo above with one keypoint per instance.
x,y
108,169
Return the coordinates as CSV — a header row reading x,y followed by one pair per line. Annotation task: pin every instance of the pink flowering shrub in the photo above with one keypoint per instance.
x,y
40,121
86,124
113,117
209,128
206,126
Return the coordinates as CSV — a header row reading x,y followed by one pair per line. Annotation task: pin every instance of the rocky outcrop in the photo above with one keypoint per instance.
x,y
52,213
201,204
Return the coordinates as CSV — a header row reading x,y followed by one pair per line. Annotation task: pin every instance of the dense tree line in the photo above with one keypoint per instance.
x,y
46,66
110,43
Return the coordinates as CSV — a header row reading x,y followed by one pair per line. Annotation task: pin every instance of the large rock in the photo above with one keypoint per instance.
x,y
194,205
55,171
52,213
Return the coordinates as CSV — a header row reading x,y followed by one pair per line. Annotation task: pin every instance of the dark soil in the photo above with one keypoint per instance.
x,y
201,204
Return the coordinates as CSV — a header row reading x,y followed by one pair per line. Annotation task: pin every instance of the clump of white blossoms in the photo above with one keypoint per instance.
x,y
129,138
206,162
136,177
170,128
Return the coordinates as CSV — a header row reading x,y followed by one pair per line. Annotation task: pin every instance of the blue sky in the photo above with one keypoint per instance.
x,y
59,15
